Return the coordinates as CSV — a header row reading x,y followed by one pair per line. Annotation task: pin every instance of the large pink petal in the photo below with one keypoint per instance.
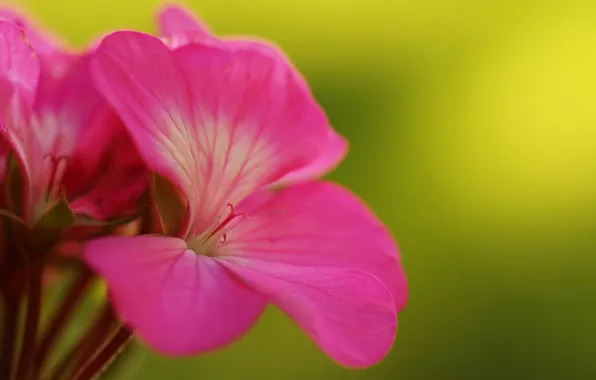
x,y
178,302
254,122
250,123
140,78
317,224
348,312
329,149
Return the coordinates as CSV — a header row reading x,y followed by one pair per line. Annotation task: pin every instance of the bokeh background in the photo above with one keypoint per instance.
x,y
473,135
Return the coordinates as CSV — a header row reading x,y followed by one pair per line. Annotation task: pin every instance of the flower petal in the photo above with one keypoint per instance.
x,y
317,224
46,45
19,74
180,26
18,65
348,312
73,109
250,123
105,175
183,28
179,303
53,56
255,123
140,78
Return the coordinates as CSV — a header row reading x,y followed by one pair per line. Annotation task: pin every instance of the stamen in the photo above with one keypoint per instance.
x,y
58,165
207,243
233,215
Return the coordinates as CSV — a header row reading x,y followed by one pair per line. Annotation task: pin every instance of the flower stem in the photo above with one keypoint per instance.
x,y
87,345
12,283
60,317
103,358
34,280
12,306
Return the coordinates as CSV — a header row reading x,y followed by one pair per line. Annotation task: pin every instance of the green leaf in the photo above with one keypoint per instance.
x,y
48,228
58,217
84,220
171,208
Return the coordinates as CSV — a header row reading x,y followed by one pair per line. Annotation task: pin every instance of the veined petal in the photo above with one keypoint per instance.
x,y
142,81
327,148
217,123
179,303
316,224
19,74
254,123
348,312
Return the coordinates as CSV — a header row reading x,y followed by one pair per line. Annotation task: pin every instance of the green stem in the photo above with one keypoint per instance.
x,y
104,357
87,345
34,280
60,317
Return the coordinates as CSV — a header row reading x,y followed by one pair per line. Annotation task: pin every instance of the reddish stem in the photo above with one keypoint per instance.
x,y
12,306
34,280
105,356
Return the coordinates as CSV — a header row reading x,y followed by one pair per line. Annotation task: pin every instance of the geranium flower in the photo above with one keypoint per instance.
x,y
234,129
64,136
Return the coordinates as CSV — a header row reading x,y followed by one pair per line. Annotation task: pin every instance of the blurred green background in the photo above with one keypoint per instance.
x,y
473,135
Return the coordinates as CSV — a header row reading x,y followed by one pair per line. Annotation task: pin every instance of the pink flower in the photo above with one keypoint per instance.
x,y
62,132
235,129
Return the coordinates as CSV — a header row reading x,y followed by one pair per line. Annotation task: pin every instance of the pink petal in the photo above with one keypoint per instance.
x,y
140,78
48,47
19,73
348,312
250,123
256,124
317,224
328,147
113,189
320,255
54,57
182,28
18,65
178,302
105,175
73,110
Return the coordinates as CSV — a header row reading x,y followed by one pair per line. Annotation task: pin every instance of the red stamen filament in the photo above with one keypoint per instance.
x,y
55,174
233,215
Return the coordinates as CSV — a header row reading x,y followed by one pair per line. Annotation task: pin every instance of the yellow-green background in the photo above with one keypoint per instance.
x,y
473,135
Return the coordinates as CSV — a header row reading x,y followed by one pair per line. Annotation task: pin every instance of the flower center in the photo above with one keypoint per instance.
x,y
207,242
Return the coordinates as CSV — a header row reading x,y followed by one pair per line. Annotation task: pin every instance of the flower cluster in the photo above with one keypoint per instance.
x,y
183,170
